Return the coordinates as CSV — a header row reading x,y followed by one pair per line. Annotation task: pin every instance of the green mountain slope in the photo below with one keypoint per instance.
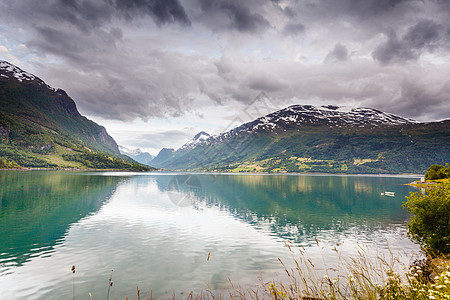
x,y
321,140
163,156
41,127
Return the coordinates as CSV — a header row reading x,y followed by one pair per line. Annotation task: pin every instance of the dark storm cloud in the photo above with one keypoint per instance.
x,y
84,15
98,67
405,91
75,29
371,8
87,15
414,94
420,98
423,36
162,11
73,45
155,58
293,28
339,53
238,16
265,82
57,42
242,18
334,9
358,21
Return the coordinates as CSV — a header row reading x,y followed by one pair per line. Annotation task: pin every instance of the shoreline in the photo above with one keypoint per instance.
x,y
222,173
73,170
428,183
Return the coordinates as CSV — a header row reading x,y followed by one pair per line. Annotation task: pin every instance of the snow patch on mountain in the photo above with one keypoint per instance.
x,y
136,154
128,151
301,115
198,139
8,70
333,116
16,72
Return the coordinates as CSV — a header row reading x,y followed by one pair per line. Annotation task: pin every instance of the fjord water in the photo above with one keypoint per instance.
x,y
156,230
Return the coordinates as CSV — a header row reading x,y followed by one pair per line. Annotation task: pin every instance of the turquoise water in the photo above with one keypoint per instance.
x,y
155,230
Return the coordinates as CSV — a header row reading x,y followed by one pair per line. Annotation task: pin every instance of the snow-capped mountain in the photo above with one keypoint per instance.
x,y
338,116
136,154
127,151
10,71
303,138
14,71
198,139
304,115
40,120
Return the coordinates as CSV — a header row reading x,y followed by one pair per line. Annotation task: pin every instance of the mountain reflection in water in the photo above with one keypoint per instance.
x,y
156,230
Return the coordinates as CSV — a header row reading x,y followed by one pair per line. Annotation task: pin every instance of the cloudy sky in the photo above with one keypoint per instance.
x,y
156,72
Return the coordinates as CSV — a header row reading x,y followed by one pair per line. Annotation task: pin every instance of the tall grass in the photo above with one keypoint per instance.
x,y
361,276
358,277
110,284
73,282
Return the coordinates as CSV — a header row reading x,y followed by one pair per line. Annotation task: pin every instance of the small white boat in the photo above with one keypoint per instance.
x,y
391,194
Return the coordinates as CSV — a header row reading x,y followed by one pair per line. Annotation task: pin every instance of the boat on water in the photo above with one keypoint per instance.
x,y
391,194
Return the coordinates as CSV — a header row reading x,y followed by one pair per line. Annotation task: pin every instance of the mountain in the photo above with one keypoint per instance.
x,y
163,156
166,154
306,138
40,126
136,154
198,139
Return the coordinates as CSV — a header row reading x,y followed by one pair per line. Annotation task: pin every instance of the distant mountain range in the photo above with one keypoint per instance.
x,y
136,154
306,138
40,126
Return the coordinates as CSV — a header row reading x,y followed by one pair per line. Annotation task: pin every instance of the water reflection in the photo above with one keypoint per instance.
x,y
37,208
298,207
156,230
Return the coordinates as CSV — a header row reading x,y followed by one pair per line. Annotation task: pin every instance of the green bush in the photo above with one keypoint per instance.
x,y
8,164
437,172
430,223
103,161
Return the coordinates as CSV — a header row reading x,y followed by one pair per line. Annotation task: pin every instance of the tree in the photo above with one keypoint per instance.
x,y
430,223
437,172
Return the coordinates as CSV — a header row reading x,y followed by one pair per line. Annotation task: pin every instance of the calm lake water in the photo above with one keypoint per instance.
x,y
155,230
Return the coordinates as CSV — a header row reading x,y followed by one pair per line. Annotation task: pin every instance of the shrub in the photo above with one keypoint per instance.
x,y
8,164
430,223
437,172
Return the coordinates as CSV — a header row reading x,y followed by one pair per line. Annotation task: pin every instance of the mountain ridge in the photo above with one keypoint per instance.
x,y
303,138
163,155
137,154
40,126
360,116
198,139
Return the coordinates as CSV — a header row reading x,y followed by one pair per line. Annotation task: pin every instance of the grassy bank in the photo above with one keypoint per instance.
x,y
429,183
361,276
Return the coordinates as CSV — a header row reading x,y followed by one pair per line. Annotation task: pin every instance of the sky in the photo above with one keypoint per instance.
x,y
156,72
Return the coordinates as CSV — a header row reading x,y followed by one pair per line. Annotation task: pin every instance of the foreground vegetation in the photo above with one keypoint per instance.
x,y
430,223
437,172
359,277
